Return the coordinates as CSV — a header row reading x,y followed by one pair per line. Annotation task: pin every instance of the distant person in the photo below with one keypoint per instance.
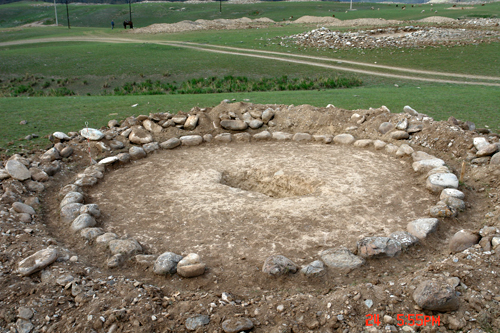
x,y
112,25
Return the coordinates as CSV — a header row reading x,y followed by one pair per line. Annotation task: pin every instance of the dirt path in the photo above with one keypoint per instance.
x,y
411,74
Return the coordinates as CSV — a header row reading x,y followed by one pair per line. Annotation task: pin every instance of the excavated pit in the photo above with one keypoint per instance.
x,y
242,200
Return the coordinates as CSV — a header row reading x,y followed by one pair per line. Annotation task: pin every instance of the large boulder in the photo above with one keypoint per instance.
x,y
17,170
436,296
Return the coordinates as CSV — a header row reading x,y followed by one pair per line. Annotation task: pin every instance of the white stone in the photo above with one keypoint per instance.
x,y
480,142
108,160
92,134
451,192
422,227
445,180
17,170
427,165
191,140
61,136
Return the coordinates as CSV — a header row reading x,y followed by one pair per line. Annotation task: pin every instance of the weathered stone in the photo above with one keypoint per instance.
x,y
399,135
137,153
150,147
255,124
91,209
71,197
267,115
166,263
302,137
190,266
441,210
126,133
37,261
323,138
151,126
92,134
370,247
480,142
414,128
391,148
192,323
421,228
495,159
404,150
278,265
379,144
170,143
237,325
408,109
242,137
140,136
179,119
264,135
223,137
455,203
341,258
145,259
282,136
17,170
24,217
191,122
116,260
70,212
385,127
191,140
234,125
106,238
421,155
91,233
61,136
427,165
344,139
439,181
123,158
402,124
436,296
126,247
83,221
109,160
487,150
52,168
462,240
69,188
363,143
116,145
20,207
86,180
314,268
404,238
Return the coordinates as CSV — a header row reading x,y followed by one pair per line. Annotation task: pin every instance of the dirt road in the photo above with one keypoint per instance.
x,y
342,65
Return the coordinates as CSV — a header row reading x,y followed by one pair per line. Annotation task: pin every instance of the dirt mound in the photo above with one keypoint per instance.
x,y
437,19
304,180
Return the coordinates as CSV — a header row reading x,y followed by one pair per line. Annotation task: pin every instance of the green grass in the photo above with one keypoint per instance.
x,y
49,114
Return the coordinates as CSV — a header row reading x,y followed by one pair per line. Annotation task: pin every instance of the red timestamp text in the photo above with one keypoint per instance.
x,y
415,319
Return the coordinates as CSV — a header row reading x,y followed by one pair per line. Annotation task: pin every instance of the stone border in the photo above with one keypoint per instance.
x,y
82,217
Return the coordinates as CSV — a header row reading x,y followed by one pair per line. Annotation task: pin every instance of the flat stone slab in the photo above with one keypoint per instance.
x,y
17,170
427,165
341,258
191,140
439,181
37,261
344,139
421,228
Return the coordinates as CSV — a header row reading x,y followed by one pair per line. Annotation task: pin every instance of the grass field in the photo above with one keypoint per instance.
x,y
94,67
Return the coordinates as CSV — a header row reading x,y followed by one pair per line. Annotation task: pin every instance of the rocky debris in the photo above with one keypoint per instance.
x,y
398,37
37,261
223,138
278,265
436,296
69,212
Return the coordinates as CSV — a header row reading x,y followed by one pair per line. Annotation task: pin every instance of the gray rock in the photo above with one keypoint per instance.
x,y
264,135
116,145
282,136
436,296
257,114
83,221
190,266
236,325
126,133
91,233
242,137
23,208
363,143
116,260
234,125
408,109
25,313
71,197
462,240
70,212
150,147
255,124
91,209
37,261
414,128
370,247
17,170
92,134
385,127
455,203
402,125
127,247
391,149
404,238
24,326
66,152
404,150
170,143
323,138
421,228
140,136
302,137
208,137
137,153
179,119
191,122
145,259
192,323
495,159
344,139
50,155
278,265
379,144
223,137
166,263
427,165
341,258
106,238
86,180
487,150
441,210
123,158
439,181
4,174
191,140
314,268
267,115
399,135
151,126
69,188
